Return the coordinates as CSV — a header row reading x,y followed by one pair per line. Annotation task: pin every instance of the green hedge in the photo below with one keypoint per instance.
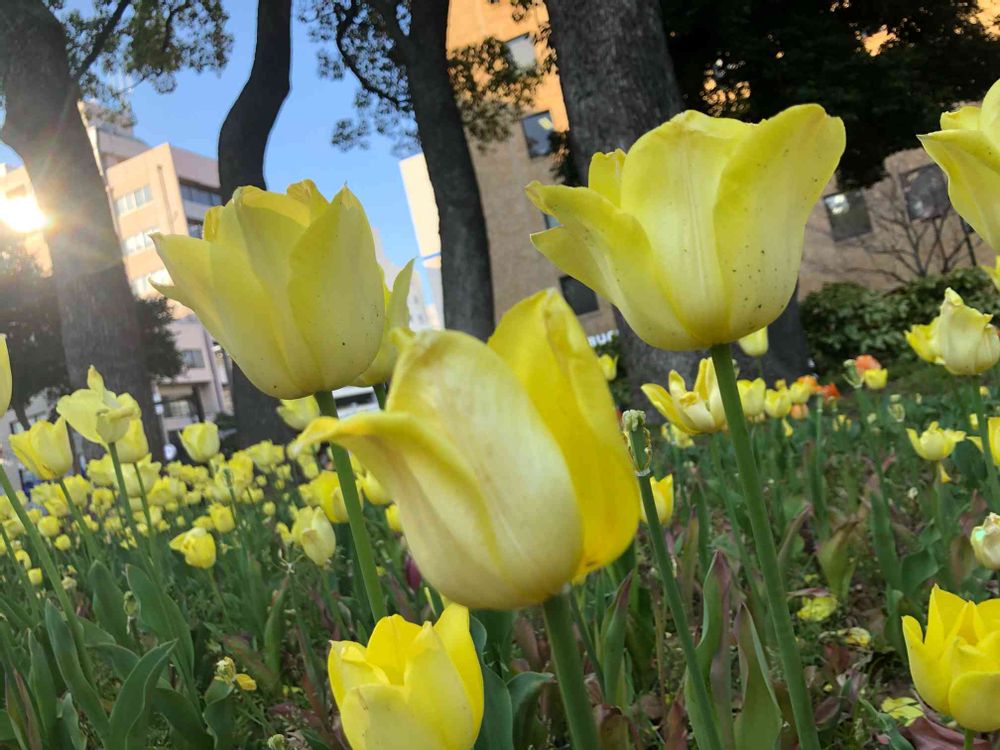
x,y
845,319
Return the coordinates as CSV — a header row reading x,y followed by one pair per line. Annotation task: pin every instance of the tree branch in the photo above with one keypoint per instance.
x,y
343,26
101,40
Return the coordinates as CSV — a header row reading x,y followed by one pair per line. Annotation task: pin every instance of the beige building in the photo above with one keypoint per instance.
x,y
875,236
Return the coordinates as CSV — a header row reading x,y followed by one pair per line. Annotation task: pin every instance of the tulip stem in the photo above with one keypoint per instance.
x,y
706,730
356,519
569,672
993,499
970,740
88,537
767,554
127,508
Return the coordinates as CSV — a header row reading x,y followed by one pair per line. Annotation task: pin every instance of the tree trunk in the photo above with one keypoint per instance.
x,y
618,82
242,143
43,125
465,257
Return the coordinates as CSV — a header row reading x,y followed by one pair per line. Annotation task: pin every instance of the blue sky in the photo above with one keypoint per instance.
x,y
191,116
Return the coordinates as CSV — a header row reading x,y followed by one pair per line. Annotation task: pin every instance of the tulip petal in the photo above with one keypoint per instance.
x,y
336,291
766,193
929,675
377,717
971,160
989,115
669,184
605,175
543,343
388,646
608,251
664,403
436,692
974,697
347,669
397,315
453,629
483,490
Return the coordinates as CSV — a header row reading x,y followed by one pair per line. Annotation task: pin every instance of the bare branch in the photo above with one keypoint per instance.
x,y
101,40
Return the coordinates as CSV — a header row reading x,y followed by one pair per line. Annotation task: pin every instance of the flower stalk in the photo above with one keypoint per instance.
x,y
767,554
355,518
993,496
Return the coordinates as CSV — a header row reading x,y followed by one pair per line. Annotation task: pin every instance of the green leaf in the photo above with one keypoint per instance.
x,y
274,631
68,662
132,708
499,625
121,660
713,658
22,716
758,725
109,603
218,714
160,613
496,732
183,718
524,689
68,728
613,645
43,688
6,728
917,568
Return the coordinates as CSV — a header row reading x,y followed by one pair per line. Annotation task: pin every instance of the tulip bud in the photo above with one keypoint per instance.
x,y
609,366
967,341
985,540
201,441
755,344
297,413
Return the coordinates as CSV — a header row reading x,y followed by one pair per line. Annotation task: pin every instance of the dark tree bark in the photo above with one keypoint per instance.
x,y
466,276
618,82
43,125
242,143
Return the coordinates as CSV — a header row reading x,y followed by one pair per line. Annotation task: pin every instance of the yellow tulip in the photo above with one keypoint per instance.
x,y
967,148
802,390
754,344
164,491
413,686
817,608
79,489
676,436
297,413
35,576
6,379
955,664
63,543
696,235
197,546
777,403
923,340
392,518
266,455
312,531
146,471
530,496
609,366
375,493
96,413
49,527
875,380
132,446
201,441
752,396
397,315
663,498
966,339
324,491
287,283
101,471
44,449
245,682
694,411
934,443
985,541
222,518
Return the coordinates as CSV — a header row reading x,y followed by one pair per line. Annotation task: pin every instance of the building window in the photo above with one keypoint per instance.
x,y
522,51
200,195
848,214
192,358
136,242
133,200
550,221
926,192
538,131
196,229
581,298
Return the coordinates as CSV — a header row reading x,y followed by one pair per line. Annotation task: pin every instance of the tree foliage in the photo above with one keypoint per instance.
x,y
29,316
491,88
750,59
117,44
